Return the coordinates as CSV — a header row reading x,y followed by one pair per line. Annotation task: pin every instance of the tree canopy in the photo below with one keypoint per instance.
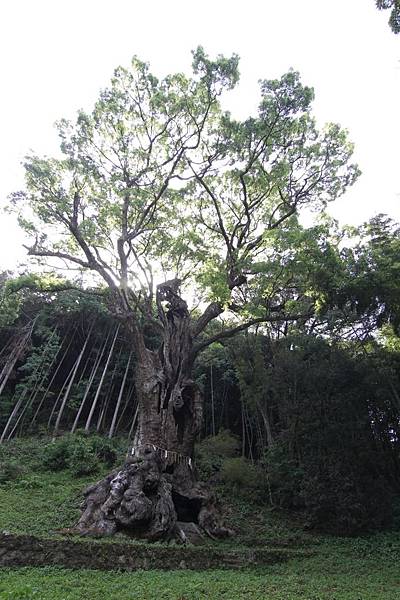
x,y
158,183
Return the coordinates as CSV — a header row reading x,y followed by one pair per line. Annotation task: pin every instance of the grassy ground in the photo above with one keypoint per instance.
x,y
40,502
35,500
344,570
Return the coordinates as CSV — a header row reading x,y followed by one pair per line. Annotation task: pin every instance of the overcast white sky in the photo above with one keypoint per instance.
x,y
55,55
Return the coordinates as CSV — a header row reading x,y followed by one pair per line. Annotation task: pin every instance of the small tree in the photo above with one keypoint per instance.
x,y
394,19
157,192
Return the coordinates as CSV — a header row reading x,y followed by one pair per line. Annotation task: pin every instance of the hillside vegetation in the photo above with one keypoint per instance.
x,y
38,501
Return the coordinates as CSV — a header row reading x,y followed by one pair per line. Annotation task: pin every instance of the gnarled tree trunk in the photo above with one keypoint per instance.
x,y
156,492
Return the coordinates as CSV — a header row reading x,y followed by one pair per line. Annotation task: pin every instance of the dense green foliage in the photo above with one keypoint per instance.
x,y
328,456
321,417
81,454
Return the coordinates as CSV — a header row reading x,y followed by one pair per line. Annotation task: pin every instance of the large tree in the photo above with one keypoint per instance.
x,y
160,193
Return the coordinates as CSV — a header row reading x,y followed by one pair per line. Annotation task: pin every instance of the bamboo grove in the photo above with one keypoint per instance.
x,y
75,374
307,412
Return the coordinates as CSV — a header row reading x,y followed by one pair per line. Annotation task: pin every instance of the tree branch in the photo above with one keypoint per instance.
x,y
227,333
33,251
212,311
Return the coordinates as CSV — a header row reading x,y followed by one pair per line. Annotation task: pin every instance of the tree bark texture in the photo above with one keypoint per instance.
x,y
156,489
148,499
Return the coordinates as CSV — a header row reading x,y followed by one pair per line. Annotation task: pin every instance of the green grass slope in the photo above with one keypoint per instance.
x,y
38,502
345,570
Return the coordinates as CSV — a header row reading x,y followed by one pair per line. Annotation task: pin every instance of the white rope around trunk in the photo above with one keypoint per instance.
x,y
169,456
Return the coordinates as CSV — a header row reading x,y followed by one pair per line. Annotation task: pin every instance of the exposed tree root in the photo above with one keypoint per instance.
x,y
150,500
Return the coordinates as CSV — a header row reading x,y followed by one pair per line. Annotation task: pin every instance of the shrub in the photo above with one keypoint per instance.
x,y
105,450
82,459
285,477
224,444
245,478
55,455
81,453
335,496
10,470
212,451
343,502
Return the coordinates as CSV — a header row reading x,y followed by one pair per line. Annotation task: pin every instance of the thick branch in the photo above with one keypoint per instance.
x,y
92,262
228,333
212,311
33,251
214,200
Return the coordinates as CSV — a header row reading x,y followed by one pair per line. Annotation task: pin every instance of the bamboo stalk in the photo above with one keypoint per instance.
x,y
106,399
243,430
135,416
94,403
91,379
51,382
6,346
71,381
14,412
60,393
249,433
103,410
36,388
212,400
127,401
121,391
14,356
